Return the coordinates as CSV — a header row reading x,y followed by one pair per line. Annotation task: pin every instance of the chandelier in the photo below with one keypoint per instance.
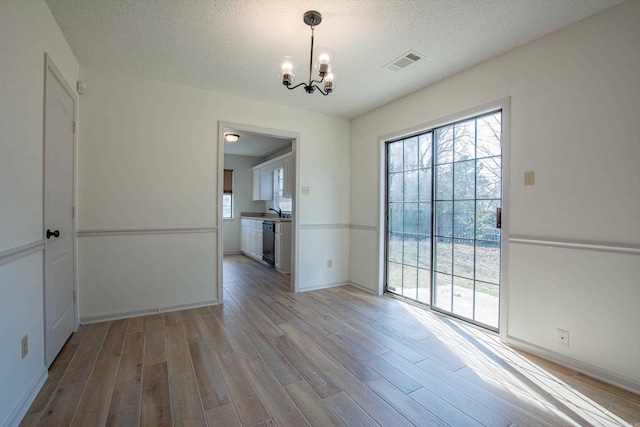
x,y
323,63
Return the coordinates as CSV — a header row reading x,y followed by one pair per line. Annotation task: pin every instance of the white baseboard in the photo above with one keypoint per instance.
x,y
337,284
232,253
323,286
18,413
361,287
144,312
577,365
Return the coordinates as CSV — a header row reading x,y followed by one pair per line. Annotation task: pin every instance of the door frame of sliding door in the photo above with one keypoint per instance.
x,y
504,105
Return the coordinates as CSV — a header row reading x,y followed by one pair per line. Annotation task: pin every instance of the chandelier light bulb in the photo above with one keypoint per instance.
x,y
287,68
328,83
324,59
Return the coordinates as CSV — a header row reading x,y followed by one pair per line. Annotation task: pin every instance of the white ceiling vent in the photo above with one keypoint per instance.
x,y
404,61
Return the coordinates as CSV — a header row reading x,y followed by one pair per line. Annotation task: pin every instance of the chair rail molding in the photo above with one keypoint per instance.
x,y
13,254
323,226
143,231
363,227
576,244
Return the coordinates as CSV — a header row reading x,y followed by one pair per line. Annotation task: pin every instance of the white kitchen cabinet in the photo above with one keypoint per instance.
x,y
287,176
256,184
251,238
263,177
262,184
283,247
245,232
257,242
256,239
266,185
277,257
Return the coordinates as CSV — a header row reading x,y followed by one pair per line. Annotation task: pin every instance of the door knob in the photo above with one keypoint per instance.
x,y
55,234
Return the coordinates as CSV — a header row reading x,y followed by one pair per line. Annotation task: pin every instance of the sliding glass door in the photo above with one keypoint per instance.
x,y
443,212
409,207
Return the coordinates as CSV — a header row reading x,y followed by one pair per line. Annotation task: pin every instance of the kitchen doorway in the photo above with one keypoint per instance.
x,y
240,160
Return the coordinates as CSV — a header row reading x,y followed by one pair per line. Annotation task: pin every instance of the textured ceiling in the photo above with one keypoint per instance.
x,y
234,46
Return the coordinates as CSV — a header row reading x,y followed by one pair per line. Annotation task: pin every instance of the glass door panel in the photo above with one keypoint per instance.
x,y
468,188
463,297
395,215
409,204
442,292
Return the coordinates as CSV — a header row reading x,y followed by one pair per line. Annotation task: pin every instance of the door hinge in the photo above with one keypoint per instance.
x,y
74,127
74,295
73,211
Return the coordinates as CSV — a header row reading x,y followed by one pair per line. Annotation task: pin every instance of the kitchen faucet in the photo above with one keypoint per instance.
x,y
279,211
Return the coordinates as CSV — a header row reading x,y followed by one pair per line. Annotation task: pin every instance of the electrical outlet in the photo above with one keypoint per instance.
x,y
329,263
562,338
305,191
529,178
25,346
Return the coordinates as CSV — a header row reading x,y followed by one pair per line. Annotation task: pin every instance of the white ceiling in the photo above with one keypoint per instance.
x,y
255,144
234,46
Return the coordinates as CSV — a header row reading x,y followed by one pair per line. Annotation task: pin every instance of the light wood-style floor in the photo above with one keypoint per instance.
x,y
334,357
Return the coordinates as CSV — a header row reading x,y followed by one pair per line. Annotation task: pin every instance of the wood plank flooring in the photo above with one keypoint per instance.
x,y
336,357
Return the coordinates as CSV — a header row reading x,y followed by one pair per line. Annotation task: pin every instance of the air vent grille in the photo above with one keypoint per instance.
x,y
404,61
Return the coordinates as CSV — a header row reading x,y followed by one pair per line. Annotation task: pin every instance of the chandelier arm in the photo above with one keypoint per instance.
x,y
297,86
321,91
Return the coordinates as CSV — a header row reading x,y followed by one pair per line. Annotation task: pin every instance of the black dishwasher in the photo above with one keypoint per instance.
x,y
269,242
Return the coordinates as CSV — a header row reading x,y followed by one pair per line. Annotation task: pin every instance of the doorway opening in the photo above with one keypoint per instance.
x,y
443,218
257,184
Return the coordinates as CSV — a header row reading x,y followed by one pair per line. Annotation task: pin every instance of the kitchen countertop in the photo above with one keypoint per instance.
x,y
262,216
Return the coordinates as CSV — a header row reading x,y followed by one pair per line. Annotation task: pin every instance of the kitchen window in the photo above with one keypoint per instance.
x,y
227,206
227,196
280,202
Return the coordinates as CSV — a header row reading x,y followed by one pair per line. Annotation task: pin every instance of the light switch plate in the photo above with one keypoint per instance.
x,y
25,346
305,191
529,178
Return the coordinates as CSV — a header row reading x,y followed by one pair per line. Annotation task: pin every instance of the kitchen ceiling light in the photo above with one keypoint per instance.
x,y
323,61
231,137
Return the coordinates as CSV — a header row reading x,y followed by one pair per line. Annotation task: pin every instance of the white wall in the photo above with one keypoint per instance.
x,y
242,198
148,160
575,103
27,31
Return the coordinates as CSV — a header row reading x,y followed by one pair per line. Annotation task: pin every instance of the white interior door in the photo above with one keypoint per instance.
x,y
58,212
